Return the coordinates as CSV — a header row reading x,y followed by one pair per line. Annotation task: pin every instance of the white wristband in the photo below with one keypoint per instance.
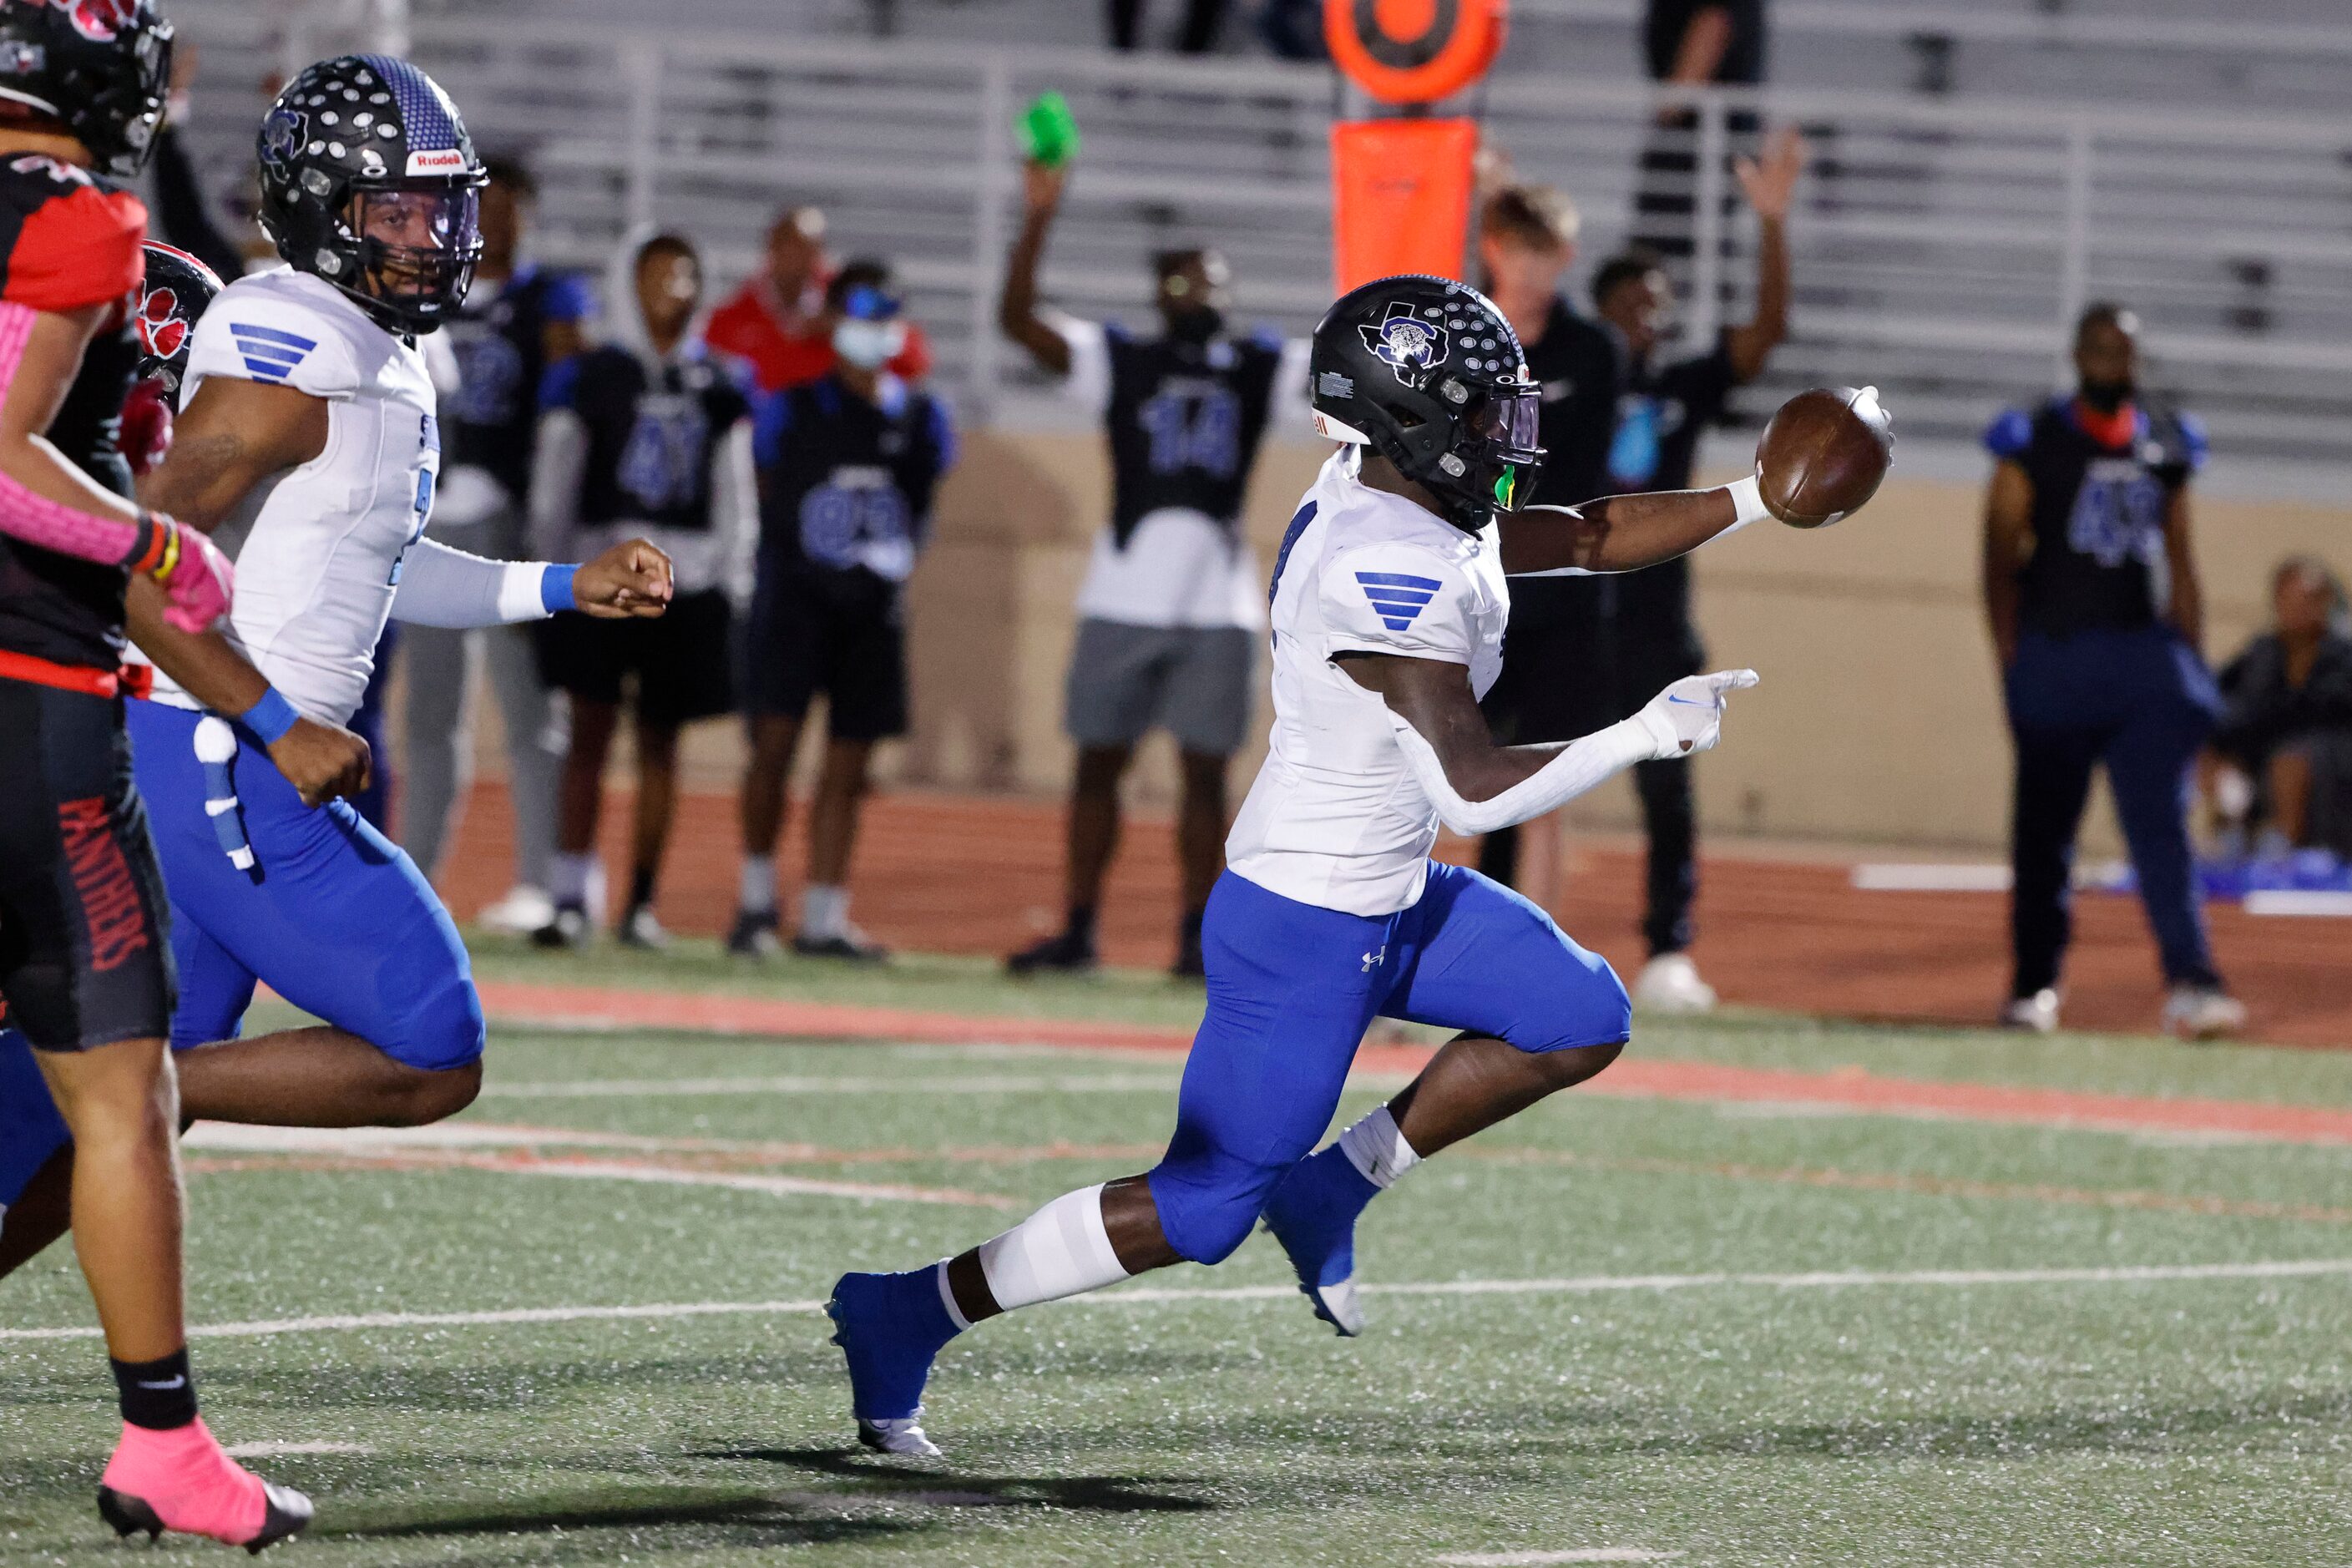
x,y
519,592
1748,502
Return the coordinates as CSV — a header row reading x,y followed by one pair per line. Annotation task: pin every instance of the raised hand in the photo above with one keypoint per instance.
x,y
1768,182
1041,187
1687,716
632,578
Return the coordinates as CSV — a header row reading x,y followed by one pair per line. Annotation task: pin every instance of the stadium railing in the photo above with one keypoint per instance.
x,y
1941,244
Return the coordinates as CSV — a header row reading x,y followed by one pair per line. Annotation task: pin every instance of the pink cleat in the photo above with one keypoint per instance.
x,y
180,1480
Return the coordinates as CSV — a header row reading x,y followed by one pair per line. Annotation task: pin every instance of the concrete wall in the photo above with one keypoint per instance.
x,y
1878,720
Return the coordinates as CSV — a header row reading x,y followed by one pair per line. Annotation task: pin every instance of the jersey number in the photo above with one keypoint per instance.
x,y
1193,430
429,450
2115,520
661,466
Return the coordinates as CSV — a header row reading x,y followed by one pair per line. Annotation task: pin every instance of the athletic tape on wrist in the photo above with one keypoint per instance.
x,y
1747,501
270,718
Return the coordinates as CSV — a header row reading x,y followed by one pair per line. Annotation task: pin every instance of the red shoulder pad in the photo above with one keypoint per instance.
x,y
79,247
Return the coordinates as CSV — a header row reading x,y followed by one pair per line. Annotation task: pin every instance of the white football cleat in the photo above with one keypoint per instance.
x,y
524,910
903,1436
2203,1013
1670,983
2037,1014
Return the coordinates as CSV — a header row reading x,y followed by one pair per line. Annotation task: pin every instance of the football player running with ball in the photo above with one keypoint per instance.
x,y
310,374
1389,603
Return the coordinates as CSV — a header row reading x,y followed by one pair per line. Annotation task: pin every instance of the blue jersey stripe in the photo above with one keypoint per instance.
x,y
266,369
1397,579
272,335
288,357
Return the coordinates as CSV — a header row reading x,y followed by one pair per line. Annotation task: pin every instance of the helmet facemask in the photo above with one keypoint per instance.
x,y
1494,454
418,243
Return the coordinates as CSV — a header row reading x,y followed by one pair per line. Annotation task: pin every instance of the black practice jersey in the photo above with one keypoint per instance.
x,y
651,439
68,241
2098,512
845,485
1576,365
500,338
1185,421
1662,412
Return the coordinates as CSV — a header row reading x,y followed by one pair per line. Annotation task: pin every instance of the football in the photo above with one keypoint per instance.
x,y
1824,455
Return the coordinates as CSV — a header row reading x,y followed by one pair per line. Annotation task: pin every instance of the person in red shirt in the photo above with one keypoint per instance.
x,y
776,321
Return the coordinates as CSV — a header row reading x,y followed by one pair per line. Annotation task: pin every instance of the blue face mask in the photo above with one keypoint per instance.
x,y
869,345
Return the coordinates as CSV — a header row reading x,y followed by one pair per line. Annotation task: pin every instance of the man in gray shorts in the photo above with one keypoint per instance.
x,y
1173,603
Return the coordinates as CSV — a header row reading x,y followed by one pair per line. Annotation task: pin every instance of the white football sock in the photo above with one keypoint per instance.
x,y
947,1297
824,911
578,879
1061,1250
757,894
1377,1149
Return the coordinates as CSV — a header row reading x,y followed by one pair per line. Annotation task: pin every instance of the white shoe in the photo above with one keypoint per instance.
x,y
904,1436
639,929
2037,1014
2203,1013
1670,983
523,911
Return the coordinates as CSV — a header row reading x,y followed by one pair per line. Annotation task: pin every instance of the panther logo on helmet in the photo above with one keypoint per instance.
x,y
100,20
281,137
1405,343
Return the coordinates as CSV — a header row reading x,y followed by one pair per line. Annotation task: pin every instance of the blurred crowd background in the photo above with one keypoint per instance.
x,y
1735,198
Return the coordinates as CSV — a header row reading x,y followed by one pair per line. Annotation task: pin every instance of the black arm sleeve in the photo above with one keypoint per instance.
x,y
180,211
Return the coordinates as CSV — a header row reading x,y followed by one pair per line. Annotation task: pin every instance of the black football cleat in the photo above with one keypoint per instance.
x,y
1065,952
286,1513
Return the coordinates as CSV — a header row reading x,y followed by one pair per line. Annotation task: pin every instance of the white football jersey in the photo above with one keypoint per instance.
x,y
1336,817
316,575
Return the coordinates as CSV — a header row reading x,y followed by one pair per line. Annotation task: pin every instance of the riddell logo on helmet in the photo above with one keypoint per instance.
x,y
447,160
1406,343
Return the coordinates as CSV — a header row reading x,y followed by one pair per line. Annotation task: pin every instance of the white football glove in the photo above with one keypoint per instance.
x,y
1687,716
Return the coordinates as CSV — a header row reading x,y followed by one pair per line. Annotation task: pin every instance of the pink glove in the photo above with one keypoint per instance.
x,y
195,577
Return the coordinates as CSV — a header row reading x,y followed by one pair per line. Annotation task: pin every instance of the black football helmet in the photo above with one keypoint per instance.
x,y
369,181
177,289
99,67
1427,372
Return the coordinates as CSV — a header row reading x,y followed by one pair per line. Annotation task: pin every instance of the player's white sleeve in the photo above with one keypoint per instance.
x,y
1289,412
260,334
1396,598
558,462
1578,766
444,587
1747,506
1089,383
735,505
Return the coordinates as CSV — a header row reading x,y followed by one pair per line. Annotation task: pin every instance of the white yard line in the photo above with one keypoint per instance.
x,y
786,1186
270,1448
2298,1268
1575,1555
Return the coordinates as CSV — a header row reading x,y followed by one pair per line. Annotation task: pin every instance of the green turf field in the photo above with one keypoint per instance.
x,y
1676,1383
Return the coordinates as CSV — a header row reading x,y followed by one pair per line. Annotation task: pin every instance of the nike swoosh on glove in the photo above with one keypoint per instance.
x,y
1687,716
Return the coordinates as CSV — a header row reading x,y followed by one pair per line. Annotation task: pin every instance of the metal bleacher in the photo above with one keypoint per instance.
x,y
1950,225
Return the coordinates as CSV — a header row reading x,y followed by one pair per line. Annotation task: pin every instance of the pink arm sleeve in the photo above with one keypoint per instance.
x,y
32,517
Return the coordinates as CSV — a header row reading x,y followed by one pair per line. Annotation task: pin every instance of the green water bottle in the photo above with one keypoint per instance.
x,y
1049,132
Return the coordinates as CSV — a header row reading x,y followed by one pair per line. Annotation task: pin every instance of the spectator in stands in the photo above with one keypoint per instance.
x,y
776,321
1173,600
2091,587
1202,21
2287,718
848,464
647,436
519,320
1690,43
